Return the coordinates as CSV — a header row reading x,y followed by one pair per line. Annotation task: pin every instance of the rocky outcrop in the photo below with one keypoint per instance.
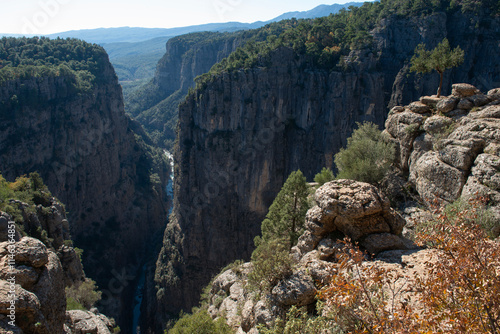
x,y
35,280
82,144
48,222
86,322
245,131
453,151
34,274
344,208
36,283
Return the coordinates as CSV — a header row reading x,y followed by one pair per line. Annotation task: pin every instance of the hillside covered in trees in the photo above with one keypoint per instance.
x,y
22,58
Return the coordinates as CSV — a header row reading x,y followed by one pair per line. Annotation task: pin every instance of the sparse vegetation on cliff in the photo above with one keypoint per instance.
x,y
367,156
324,176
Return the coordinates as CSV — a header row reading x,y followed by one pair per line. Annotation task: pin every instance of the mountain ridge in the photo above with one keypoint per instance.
x,y
141,34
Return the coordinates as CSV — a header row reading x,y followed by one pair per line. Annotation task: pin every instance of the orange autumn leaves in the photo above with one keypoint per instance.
x,y
459,292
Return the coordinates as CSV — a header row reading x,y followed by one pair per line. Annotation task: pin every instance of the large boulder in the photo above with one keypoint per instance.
x,y
464,90
38,281
298,289
87,322
353,209
357,209
435,180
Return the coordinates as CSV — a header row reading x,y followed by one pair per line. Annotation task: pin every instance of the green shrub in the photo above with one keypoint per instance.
x,y
30,190
199,322
72,304
83,295
326,175
472,211
297,320
271,262
367,157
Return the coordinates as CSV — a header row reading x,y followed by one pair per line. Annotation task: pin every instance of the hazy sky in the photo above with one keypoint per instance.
x,y
50,16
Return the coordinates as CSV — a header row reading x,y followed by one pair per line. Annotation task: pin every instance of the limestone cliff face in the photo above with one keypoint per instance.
x,y
82,145
242,133
186,57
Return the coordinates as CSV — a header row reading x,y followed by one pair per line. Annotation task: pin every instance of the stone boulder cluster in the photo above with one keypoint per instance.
x,y
344,208
449,147
33,276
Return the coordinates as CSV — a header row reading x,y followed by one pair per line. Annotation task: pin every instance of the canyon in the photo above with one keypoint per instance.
x,y
235,135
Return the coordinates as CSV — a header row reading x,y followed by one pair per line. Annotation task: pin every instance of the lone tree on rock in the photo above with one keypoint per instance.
x,y
440,59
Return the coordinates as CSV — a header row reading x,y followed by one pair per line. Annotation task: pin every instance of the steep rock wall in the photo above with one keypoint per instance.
x,y
156,105
83,147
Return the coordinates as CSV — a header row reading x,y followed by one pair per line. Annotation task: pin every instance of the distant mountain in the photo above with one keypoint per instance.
x,y
133,35
319,11
134,52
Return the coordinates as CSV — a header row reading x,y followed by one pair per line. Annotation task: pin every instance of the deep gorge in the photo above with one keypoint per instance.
x,y
240,132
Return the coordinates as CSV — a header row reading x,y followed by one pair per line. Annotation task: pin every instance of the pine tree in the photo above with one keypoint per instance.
x,y
440,59
280,230
285,219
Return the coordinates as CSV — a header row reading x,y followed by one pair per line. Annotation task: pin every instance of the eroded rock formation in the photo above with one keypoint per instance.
x,y
451,151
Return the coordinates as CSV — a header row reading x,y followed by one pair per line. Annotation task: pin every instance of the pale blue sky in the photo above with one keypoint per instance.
x,y
51,16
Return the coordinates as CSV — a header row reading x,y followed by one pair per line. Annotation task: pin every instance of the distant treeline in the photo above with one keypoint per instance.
x,y
22,58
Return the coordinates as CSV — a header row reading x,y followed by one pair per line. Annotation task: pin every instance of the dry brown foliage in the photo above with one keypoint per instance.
x,y
459,293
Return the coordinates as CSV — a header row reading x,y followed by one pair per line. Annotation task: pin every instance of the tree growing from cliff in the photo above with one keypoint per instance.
x,y
441,58
367,157
280,230
286,215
